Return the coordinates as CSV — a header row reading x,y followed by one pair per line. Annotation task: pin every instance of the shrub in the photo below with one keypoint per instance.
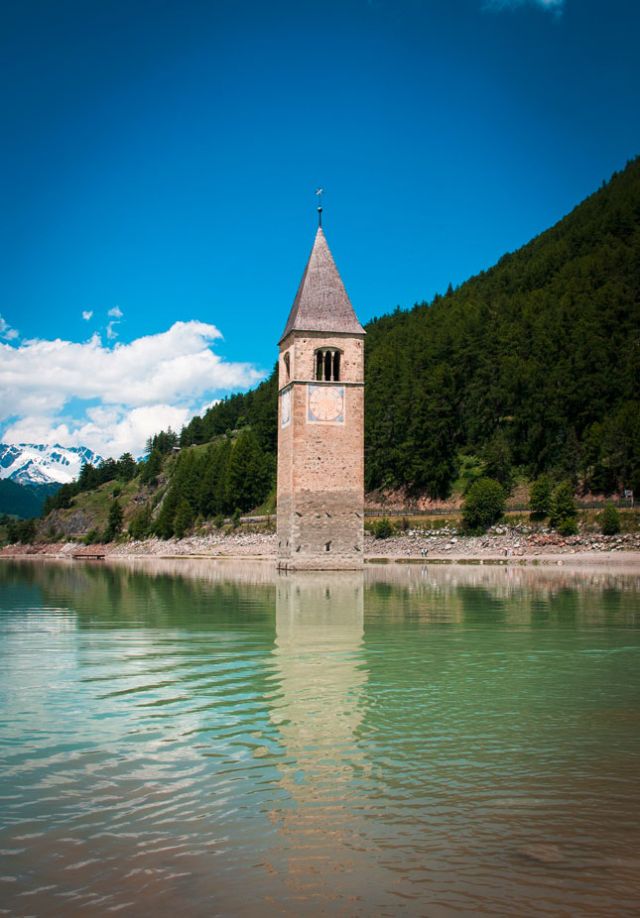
x,y
92,537
610,520
23,531
563,506
483,505
382,529
440,523
540,497
235,518
568,526
218,521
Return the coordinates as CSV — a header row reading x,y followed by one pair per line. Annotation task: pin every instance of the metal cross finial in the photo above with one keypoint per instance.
x,y
319,193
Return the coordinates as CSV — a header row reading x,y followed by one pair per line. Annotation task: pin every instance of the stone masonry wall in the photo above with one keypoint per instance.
x,y
302,346
321,465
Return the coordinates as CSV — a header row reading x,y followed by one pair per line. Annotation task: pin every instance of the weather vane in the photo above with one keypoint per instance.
x,y
319,193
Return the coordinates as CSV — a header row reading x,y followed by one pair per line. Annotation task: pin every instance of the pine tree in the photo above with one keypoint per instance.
x,y
183,518
428,451
164,522
152,467
127,467
141,523
497,456
540,497
114,526
248,474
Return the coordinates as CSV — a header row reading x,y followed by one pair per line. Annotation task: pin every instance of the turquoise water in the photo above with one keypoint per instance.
x,y
217,739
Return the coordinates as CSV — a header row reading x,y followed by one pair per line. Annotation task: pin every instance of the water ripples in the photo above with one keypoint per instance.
x,y
307,749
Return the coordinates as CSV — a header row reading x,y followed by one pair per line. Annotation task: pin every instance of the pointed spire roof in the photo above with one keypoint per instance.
x,y
321,303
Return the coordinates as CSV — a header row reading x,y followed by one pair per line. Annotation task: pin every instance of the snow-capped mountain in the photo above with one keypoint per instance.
x,y
40,463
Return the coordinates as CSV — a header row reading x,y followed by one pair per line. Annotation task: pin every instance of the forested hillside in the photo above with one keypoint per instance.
x,y
533,364
531,367
23,500
538,357
257,409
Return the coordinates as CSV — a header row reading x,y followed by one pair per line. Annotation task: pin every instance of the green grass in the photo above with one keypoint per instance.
x,y
266,508
96,504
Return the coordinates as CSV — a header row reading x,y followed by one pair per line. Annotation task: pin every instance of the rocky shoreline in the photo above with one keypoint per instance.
x,y
505,544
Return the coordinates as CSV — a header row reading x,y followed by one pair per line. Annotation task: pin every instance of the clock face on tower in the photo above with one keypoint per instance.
x,y
326,404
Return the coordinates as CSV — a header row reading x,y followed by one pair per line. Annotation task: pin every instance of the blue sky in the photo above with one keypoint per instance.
x,y
159,161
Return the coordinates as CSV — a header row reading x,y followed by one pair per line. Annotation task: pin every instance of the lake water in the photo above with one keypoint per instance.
x,y
210,738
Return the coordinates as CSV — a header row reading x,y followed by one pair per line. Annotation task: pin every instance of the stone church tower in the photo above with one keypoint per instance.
x,y
321,424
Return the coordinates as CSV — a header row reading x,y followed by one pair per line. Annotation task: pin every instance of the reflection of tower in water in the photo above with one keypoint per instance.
x,y
319,667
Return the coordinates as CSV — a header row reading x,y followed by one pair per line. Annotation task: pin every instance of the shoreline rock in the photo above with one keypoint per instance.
x,y
503,545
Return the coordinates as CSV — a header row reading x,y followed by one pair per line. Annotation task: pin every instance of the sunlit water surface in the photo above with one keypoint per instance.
x,y
203,738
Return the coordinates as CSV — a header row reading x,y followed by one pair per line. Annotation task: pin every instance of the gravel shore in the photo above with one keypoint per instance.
x,y
502,545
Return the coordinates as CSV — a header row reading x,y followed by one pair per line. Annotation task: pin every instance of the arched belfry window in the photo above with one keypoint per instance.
x,y
287,365
328,364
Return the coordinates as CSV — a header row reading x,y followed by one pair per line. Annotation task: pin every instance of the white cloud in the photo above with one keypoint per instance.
x,y
554,6
116,314
142,387
108,431
6,332
87,314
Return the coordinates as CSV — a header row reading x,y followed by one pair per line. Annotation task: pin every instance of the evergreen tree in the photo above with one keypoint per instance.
x,y
569,462
183,520
141,523
87,479
428,451
127,467
540,497
164,522
497,456
248,475
213,478
114,526
152,467
186,477
221,476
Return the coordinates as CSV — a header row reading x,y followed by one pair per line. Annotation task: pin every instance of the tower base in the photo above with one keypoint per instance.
x,y
320,564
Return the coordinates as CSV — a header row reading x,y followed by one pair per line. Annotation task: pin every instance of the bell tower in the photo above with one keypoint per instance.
x,y
321,424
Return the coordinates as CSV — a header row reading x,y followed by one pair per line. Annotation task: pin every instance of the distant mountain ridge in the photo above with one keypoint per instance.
x,y
41,463
24,500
